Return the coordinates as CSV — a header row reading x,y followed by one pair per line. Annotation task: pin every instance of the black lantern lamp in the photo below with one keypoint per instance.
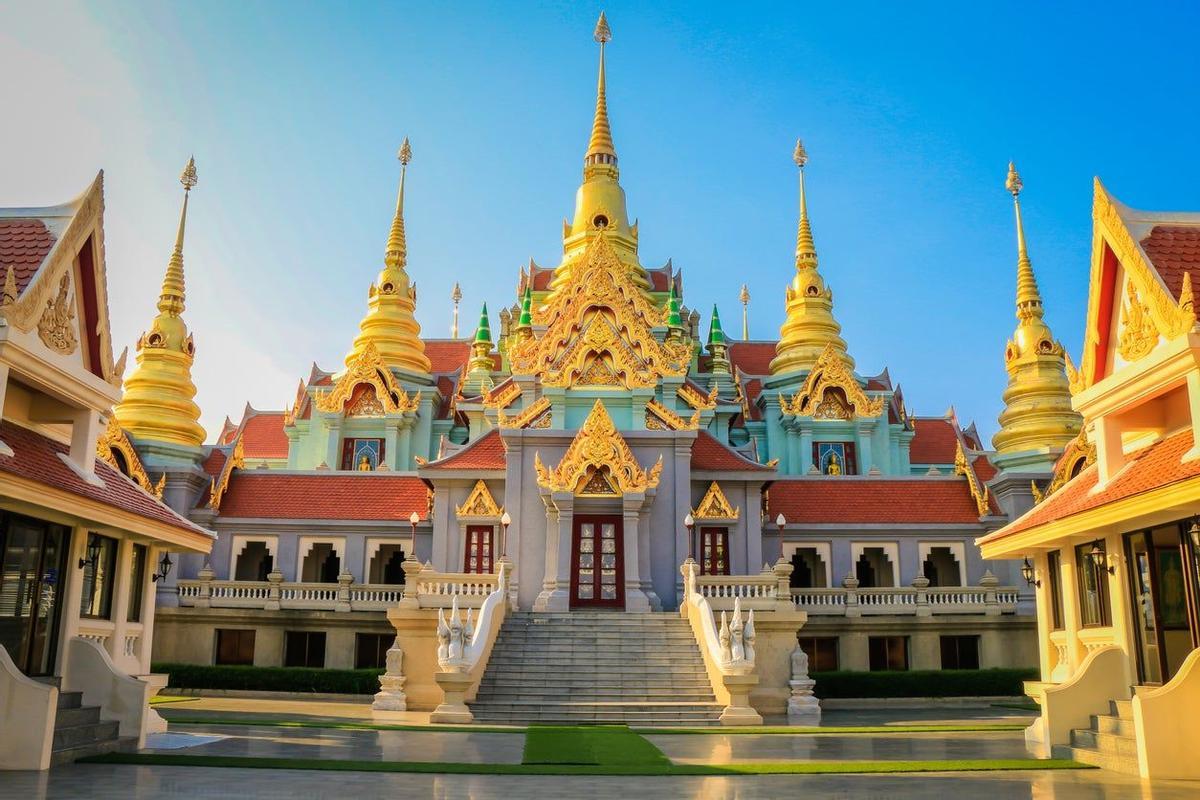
x,y
1194,532
1030,576
93,553
164,568
1100,558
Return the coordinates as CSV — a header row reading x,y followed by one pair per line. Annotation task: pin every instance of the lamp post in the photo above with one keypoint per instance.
x,y
413,519
505,521
690,522
780,522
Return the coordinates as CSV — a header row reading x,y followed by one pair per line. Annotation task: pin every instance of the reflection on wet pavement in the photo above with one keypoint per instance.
x,y
723,749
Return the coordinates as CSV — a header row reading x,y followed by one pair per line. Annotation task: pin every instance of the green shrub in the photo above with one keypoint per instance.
x,y
924,683
271,679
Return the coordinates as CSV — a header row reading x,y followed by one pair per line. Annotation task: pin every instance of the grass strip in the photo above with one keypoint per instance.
x,y
798,730
770,768
604,745
162,700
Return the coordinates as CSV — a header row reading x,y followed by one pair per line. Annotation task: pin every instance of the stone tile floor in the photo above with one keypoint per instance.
x,y
102,782
718,749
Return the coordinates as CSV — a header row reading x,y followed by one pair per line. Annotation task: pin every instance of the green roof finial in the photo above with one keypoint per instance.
x,y
673,318
715,334
526,318
484,332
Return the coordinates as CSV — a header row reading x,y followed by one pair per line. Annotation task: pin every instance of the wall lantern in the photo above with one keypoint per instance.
x,y
1194,532
1030,576
93,553
164,568
1100,558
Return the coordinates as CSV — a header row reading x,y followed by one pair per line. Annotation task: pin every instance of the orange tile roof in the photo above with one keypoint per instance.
x,y
212,466
36,458
263,436
1153,467
753,388
24,245
752,358
266,494
936,442
868,500
486,452
985,470
447,355
709,454
1174,250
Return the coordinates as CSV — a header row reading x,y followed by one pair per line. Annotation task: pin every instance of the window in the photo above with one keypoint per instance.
x,y
1094,611
960,652
480,544
941,568
874,569
254,563
235,647
137,583
835,458
370,650
304,649
321,564
387,565
362,454
888,652
714,551
808,569
100,564
1054,567
822,652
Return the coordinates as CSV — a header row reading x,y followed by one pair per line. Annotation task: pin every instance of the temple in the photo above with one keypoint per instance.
x,y
595,446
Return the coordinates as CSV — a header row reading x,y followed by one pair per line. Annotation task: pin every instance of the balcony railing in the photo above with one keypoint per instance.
x,y
919,600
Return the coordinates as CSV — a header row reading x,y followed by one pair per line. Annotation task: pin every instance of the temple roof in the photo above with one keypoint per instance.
x,y
37,458
24,245
262,434
935,442
343,495
752,358
709,454
486,452
873,500
1173,251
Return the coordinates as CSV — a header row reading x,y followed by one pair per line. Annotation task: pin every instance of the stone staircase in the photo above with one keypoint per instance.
x,y
1109,743
79,731
590,667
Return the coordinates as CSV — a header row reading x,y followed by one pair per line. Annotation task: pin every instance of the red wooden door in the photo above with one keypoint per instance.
x,y
714,551
597,563
481,540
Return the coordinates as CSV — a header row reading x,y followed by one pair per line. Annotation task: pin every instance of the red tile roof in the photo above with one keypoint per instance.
x,y
212,466
24,245
1153,467
263,436
867,500
985,470
753,388
486,452
936,442
36,458
709,454
1174,250
447,355
336,495
752,358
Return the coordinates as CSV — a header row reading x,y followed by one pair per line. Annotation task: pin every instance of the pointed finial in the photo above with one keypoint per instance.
x,y
1013,182
744,296
674,317
1029,299
603,33
455,297
483,332
8,295
396,253
172,297
799,155
716,334
806,250
525,321
405,152
600,146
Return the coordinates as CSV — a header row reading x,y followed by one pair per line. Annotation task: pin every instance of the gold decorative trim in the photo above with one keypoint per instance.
x,y
114,440
368,368
1077,456
480,503
700,402
55,327
978,492
668,419
530,417
815,400
1138,334
597,462
504,398
236,460
715,506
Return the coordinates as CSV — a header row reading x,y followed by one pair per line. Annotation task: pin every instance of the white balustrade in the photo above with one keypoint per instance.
x,y
906,600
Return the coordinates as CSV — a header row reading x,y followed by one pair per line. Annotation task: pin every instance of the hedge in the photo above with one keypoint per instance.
x,y
271,679
924,683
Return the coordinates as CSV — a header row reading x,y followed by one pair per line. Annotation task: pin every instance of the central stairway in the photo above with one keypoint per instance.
x,y
591,667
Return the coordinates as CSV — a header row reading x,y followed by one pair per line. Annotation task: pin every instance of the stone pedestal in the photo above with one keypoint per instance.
x,y
453,710
391,695
739,711
803,708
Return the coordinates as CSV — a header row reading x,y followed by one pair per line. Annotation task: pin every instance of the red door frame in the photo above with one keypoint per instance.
x,y
596,521
706,563
489,532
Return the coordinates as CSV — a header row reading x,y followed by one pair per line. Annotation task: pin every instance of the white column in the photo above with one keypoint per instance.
x,y
635,598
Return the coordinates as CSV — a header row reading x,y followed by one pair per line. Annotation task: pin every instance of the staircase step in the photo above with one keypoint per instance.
x,y
70,754
1121,708
89,733
70,717
1106,723
1083,755
1106,743
70,699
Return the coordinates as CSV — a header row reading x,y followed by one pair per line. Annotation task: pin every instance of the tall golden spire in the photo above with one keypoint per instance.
x,y
810,326
390,323
600,200
158,401
1037,421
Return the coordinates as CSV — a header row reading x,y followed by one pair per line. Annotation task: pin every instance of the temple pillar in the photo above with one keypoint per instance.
x,y
333,442
556,588
862,440
631,513
391,443
805,461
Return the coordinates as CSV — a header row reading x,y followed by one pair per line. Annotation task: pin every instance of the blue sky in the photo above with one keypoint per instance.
x,y
910,113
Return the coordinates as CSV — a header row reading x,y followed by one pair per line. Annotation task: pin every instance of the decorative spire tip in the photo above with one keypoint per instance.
x,y
603,32
1013,183
799,155
405,154
188,176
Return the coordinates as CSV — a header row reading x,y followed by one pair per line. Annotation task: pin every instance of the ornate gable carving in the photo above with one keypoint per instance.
x,y
1138,334
370,369
236,460
599,331
536,415
831,392
480,503
715,506
502,398
114,448
700,402
978,492
597,462
1077,456
56,326
661,418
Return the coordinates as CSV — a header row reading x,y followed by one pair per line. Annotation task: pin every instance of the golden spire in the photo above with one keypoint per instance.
x,y
390,323
600,200
810,326
600,146
158,400
456,298
1037,421
744,296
